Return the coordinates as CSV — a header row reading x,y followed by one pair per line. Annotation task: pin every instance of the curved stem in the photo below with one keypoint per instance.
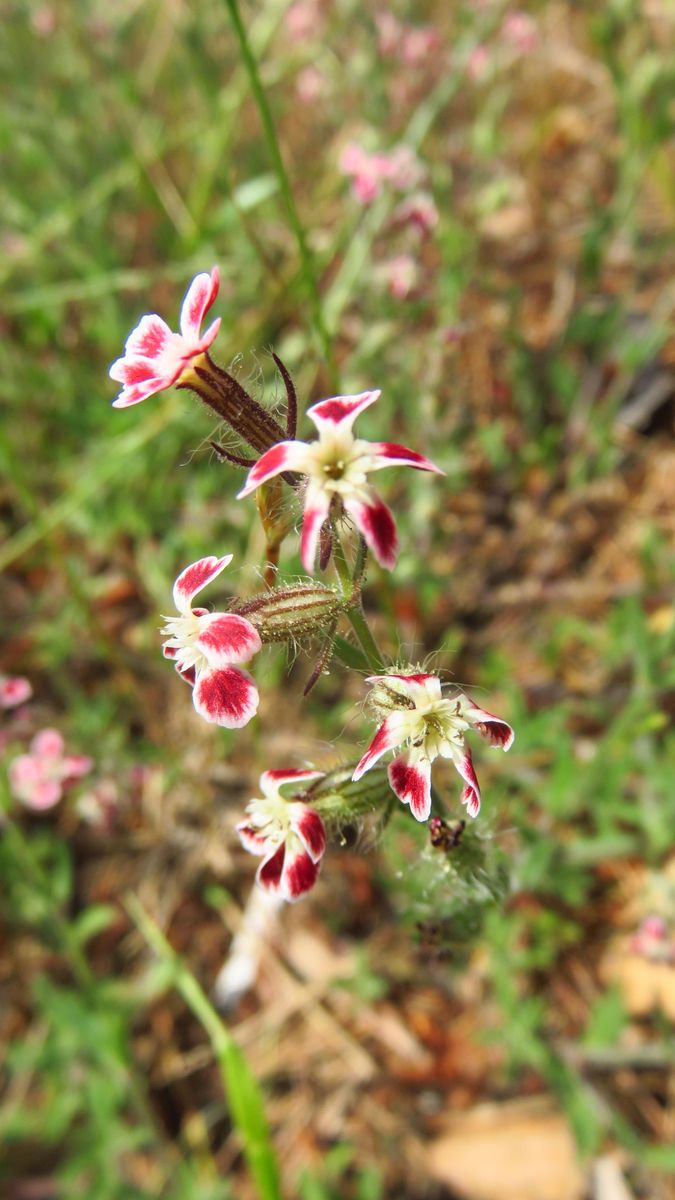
x,y
274,150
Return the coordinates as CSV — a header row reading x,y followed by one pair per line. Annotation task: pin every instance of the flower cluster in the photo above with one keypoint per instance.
x,y
288,826
399,168
38,779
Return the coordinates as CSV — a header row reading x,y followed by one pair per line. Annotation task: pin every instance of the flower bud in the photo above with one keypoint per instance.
x,y
341,800
292,613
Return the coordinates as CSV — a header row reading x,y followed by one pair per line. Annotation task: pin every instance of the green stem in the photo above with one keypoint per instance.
x,y
274,149
355,614
60,927
241,1087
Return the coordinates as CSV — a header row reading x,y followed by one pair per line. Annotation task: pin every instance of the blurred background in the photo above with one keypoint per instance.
x,y
488,193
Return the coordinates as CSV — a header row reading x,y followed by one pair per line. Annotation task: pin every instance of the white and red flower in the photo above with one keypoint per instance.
x,y
428,724
337,466
288,835
203,646
154,356
38,779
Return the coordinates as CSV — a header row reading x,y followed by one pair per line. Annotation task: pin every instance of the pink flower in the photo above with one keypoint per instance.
x,y
419,211
401,275
303,21
399,167
418,44
204,645
389,34
14,690
288,835
337,466
310,84
428,725
39,779
478,64
520,31
154,357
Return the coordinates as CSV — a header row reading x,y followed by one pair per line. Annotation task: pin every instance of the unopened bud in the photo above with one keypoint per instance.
x,y
341,800
291,613
390,693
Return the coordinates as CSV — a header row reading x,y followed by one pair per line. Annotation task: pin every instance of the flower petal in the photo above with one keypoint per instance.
x,y
412,784
75,765
340,410
138,392
252,839
210,336
195,577
317,507
471,792
299,874
150,339
421,689
392,732
285,456
498,732
227,697
13,691
271,781
375,522
390,454
170,652
269,872
48,743
309,827
42,795
198,300
225,638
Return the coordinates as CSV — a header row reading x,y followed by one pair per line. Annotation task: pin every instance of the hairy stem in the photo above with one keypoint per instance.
x,y
356,615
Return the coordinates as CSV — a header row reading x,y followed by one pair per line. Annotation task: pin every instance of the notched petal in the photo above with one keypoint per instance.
x,y
471,791
309,827
226,697
299,875
375,521
340,410
412,784
198,300
195,577
226,638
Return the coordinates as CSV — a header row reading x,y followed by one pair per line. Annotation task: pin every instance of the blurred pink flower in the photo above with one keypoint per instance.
x,y
399,167
520,31
411,44
419,211
478,64
14,690
418,44
303,21
39,779
401,274
389,34
154,356
310,84
653,940
98,805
